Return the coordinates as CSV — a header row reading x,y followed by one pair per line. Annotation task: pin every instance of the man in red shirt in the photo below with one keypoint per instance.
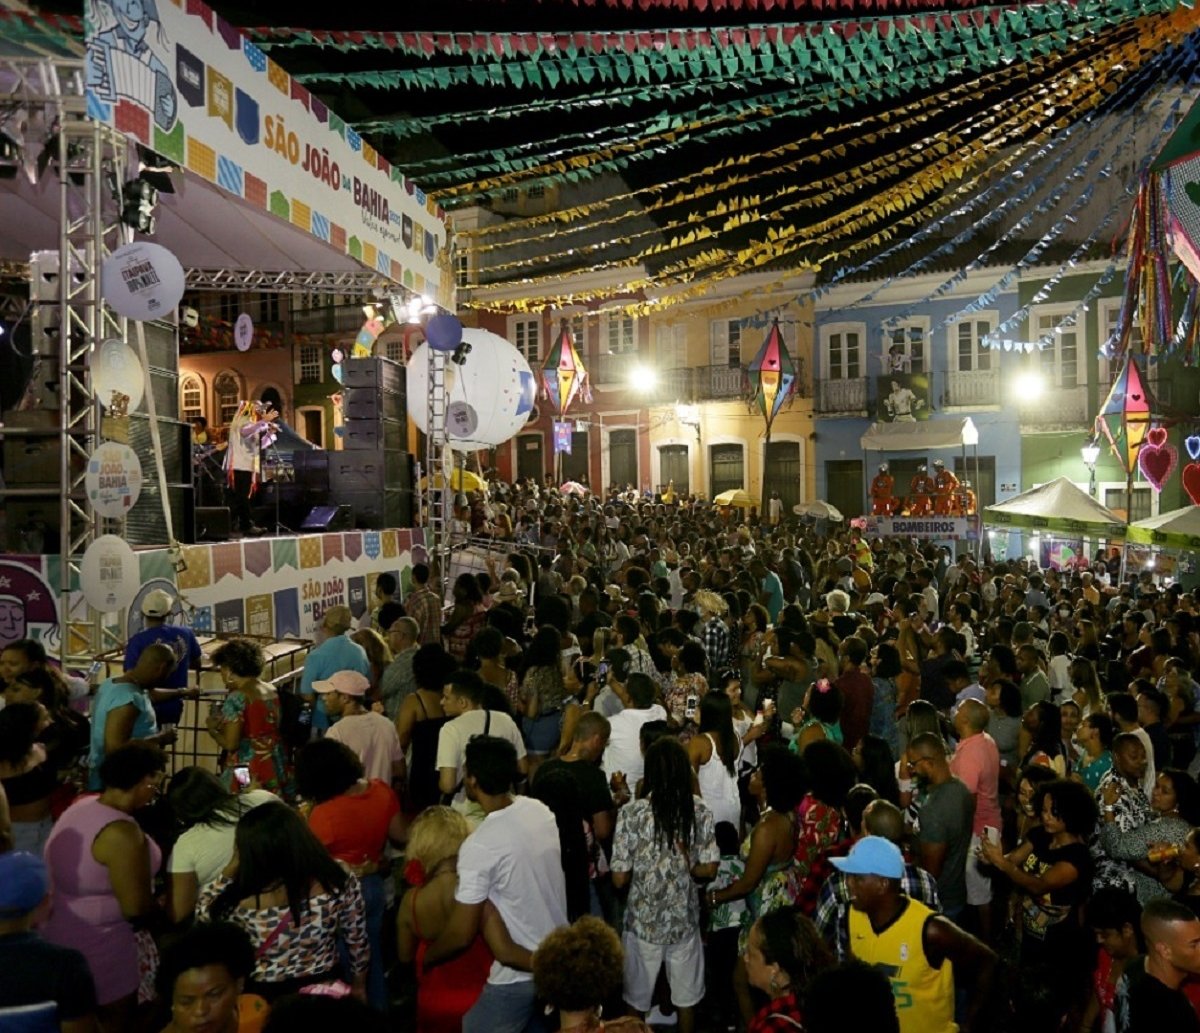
x,y
976,762
857,689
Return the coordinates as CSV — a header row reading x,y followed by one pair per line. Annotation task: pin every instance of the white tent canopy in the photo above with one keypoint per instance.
x,y
1178,529
1055,506
920,436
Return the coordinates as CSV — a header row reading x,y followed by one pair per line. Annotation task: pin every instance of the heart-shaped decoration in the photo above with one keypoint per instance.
x,y
1157,436
1156,463
1192,444
1191,482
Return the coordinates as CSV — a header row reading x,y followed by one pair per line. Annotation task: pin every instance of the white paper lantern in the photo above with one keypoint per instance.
x,y
142,280
109,575
495,382
113,479
116,367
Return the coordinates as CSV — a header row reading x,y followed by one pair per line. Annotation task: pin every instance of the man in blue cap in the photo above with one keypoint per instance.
x,y
920,951
43,988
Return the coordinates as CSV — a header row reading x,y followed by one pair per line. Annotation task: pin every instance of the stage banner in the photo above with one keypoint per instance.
x,y
219,595
946,529
182,81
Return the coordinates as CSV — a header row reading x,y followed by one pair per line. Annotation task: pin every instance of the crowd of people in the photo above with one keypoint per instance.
x,y
660,764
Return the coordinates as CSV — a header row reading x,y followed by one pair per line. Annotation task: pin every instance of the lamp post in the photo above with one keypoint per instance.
x,y
1090,453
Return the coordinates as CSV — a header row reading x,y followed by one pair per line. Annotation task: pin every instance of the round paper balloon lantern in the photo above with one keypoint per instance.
x,y
117,368
495,383
142,280
109,575
444,333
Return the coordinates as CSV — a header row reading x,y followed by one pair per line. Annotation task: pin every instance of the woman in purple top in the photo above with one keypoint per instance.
x,y
102,869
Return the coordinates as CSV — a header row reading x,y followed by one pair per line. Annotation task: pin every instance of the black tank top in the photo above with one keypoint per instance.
x,y
423,773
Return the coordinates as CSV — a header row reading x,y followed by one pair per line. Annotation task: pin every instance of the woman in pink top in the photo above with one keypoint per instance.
x,y
102,870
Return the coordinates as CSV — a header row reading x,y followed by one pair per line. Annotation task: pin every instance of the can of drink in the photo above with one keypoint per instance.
x,y
1163,853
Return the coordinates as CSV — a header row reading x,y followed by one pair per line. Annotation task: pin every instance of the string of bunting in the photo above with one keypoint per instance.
x,y
636,137
581,168
1065,90
736,208
701,6
750,259
776,247
1166,69
478,46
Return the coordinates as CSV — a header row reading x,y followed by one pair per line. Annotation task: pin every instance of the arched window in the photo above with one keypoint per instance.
x,y
227,393
191,397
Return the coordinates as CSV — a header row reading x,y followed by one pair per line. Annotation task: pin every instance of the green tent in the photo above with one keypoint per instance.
x,y
1055,506
1178,529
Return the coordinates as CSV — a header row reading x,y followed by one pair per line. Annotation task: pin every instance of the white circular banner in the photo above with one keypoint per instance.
x,y
108,574
461,420
113,479
142,280
243,332
116,367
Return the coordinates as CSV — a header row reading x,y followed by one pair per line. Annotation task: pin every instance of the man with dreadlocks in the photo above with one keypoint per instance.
x,y
663,842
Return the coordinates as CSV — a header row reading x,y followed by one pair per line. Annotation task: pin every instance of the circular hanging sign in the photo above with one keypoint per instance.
x,y
113,479
116,368
108,574
142,280
461,420
243,332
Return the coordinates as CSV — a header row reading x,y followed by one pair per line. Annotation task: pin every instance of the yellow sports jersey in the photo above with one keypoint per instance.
x,y
924,995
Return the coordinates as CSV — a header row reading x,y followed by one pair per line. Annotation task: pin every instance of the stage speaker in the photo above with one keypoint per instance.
x,y
213,524
328,518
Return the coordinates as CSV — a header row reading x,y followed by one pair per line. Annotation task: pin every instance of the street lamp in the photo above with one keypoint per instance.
x,y
1090,453
643,379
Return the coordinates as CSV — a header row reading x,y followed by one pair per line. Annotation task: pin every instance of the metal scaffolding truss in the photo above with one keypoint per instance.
x,y
87,159
256,281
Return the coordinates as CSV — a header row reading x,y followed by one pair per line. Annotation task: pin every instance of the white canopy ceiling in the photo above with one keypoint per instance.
x,y
920,436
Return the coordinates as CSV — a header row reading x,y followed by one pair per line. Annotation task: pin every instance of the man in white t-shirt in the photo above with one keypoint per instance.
x,y
462,700
624,750
371,736
513,861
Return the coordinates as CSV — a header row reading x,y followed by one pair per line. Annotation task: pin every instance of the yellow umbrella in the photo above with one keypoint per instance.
x,y
735,497
460,480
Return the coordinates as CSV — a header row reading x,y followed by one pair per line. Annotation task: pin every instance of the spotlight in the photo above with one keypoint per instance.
x,y
156,170
461,353
138,198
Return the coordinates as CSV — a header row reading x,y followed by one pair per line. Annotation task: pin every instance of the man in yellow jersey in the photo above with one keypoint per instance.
x,y
920,951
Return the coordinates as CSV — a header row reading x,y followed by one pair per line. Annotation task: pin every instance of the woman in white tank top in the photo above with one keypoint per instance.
x,y
714,754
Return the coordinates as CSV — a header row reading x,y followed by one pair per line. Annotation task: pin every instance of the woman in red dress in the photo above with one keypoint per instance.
x,y
446,992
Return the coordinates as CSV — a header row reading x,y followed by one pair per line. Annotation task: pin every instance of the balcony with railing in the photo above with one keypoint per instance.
x,y
842,396
972,389
1055,408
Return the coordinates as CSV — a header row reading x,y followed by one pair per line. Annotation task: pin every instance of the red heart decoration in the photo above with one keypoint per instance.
x,y
1191,482
1157,462
1157,437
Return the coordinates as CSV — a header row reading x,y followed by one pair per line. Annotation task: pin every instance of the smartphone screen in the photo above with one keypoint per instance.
x,y
242,776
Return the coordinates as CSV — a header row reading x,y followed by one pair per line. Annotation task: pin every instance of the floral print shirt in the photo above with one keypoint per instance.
x,y
664,905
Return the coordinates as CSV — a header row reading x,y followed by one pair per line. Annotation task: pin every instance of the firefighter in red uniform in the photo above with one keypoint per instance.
x,y
883,502
920,493
945,489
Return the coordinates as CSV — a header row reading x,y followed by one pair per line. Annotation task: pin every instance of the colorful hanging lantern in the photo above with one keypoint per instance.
x,y
564,375
772,375
1124,418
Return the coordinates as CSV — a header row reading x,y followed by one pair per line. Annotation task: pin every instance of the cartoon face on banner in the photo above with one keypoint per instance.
x,y
113,480
28,606
142,280
126,57
903,397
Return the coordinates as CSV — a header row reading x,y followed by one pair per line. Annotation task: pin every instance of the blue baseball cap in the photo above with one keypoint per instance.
x,y
24,883
872,855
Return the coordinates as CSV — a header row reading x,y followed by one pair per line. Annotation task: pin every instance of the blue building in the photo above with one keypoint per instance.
x,y
897,352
